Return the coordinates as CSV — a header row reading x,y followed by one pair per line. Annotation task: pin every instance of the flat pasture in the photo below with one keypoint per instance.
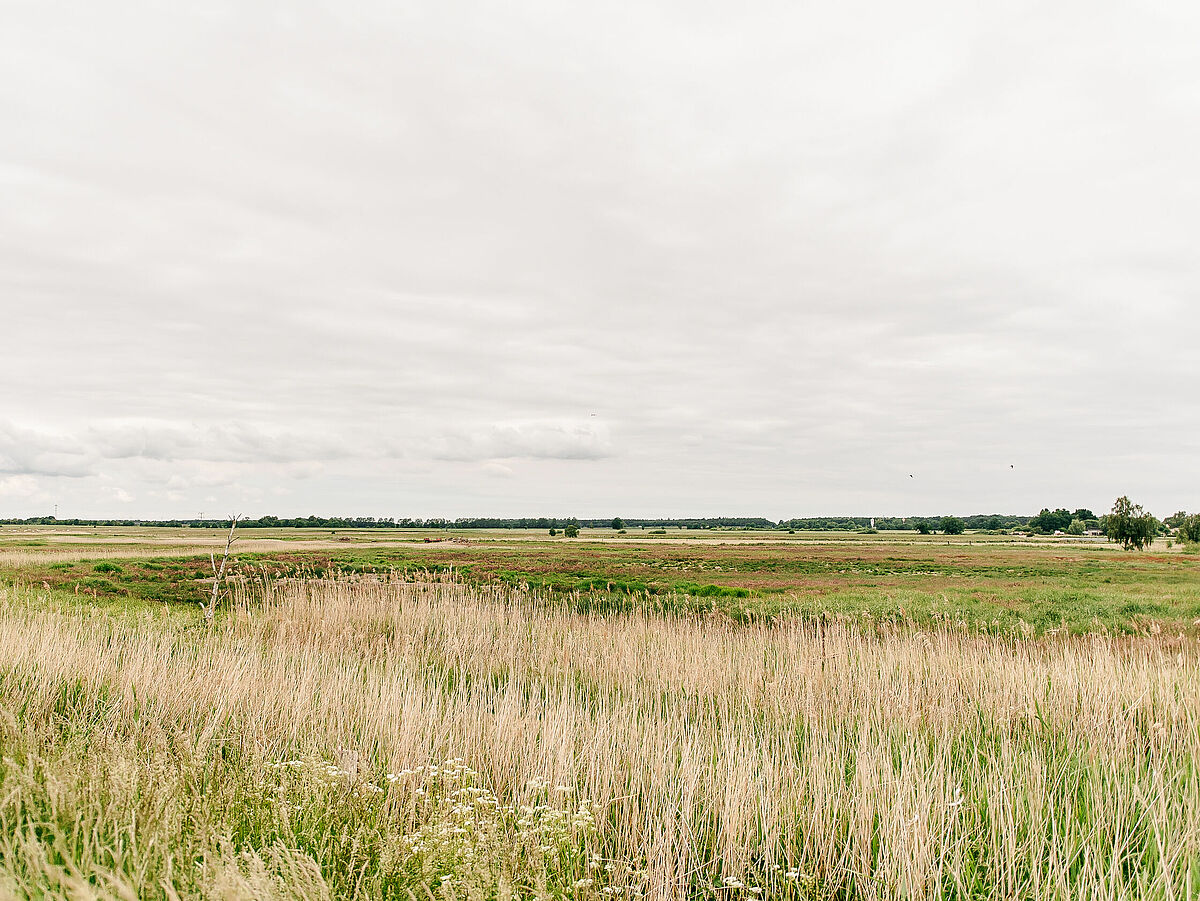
x,y
979,582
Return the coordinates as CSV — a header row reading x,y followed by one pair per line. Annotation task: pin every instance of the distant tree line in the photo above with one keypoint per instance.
x,y
818,524
372,522
809,524
1127,524
976,522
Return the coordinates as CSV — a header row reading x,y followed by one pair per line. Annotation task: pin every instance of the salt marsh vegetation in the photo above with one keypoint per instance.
x,y
372,737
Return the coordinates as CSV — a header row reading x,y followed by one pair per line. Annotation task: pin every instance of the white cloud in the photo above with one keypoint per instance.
x,y
226,442
349,259
22,486
25,451
525,440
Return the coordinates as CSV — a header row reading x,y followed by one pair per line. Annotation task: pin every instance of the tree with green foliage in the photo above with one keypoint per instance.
x,y
922,527
553,532
1076,527
571,530
1048,522
952,525
618,524
1189,528
1175,520
1130,525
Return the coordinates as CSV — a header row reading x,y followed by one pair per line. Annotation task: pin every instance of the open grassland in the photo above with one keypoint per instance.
x,y
363,736
991,583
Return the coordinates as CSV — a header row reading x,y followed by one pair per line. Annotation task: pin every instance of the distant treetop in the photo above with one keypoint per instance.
x,y
1046,521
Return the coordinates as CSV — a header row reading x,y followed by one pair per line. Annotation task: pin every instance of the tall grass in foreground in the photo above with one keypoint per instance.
x,y
385,739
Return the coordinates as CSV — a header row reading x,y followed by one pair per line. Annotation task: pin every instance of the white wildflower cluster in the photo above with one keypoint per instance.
x,y
623,879
807,885
465,821
455,833
777,881
329,775
467,837
318,770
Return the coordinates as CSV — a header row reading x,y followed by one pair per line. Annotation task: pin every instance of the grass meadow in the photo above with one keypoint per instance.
x,y
386,734
997,583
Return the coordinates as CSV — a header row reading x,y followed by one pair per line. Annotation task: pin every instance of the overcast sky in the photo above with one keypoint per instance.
x,y
532,258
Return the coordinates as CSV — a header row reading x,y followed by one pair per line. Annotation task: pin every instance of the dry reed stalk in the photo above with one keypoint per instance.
x,y
912,764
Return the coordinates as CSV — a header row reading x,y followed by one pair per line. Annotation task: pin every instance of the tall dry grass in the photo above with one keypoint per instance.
x,y
720,760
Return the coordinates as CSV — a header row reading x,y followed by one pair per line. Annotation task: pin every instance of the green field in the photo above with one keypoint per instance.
x,y
978,581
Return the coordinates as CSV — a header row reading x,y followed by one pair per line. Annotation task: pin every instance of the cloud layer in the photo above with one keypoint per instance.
x,y
651,258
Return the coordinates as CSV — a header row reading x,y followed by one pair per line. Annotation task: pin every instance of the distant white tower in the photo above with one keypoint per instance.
x,y
872,522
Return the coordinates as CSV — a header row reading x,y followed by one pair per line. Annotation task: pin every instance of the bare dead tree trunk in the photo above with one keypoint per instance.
x,y
210,609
